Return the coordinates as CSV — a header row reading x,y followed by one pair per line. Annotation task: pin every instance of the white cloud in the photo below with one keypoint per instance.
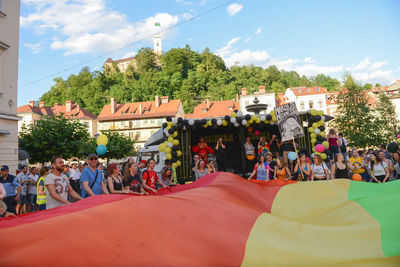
x,y
364,71
234,9
309,60
227,49
259,30
89,26
185,2
247,40
34,47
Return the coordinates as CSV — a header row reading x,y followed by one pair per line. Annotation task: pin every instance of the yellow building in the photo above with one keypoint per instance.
x,y
139,120
9,43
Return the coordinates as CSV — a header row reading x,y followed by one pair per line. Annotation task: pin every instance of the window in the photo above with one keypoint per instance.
x,y
204,110
299,91
302,105
230,108
317,89
308,90
122,123
320,105
311,104
160,122
137,123
152,121
144,121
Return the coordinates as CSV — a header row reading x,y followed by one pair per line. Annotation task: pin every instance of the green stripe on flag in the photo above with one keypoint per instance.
x,y
382,202
157,24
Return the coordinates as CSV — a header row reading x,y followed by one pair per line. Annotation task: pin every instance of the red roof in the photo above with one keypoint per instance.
x,y
303,90
76,111
132,110
215,109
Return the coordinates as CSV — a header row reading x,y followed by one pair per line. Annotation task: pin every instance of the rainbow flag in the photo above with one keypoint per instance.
x,y
219,220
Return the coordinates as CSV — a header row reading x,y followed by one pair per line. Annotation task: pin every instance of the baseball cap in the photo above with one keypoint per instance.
x,y
93,155
143,161
4,168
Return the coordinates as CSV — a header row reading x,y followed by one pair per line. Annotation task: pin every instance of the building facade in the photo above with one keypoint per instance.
x,y
31,113
307,98
139,120
262,95
9,43
214,109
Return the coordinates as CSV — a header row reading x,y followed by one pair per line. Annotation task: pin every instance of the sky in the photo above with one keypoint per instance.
x,y
58,38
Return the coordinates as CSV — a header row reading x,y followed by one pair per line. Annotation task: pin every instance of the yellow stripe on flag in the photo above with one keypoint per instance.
x,y
313,224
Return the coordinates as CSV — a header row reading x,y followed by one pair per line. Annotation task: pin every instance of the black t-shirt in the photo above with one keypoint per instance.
x,y
274,146
134,183
287,146
272,164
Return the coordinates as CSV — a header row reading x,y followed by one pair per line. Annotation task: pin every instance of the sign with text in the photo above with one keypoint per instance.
x,y
289,123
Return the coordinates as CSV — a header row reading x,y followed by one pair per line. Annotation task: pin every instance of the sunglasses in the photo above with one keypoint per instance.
x,y
93,159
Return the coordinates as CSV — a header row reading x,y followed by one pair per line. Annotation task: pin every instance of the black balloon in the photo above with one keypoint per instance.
x,y
393,147
214,120
227,118
174,154
164,125
317,118
203,121
248,117
171,130
168,118
268,117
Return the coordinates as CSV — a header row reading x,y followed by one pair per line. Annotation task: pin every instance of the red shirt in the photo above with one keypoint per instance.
x,y
150,178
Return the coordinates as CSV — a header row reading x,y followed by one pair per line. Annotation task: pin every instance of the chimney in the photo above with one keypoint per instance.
x,y
164,100
41,105
68,106
78,108
208,103
261,89
140,109
157,101
244,91
32,103
113,105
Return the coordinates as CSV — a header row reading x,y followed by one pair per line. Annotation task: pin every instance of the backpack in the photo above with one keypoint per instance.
x,y
343,147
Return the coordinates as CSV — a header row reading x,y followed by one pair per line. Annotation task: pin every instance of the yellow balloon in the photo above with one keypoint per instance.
x,y
313,140
224,123
178,163
258,120
398,140
174,165
169,123
233,115
321,112
168,156
175,142
205,125
314,112
168,150
272,112
102,139
274,118
209,123
170,139
254,117
175,134
315,125
325,144
161,147
323,156
178,153
313,149
310,129
266,121
322,134
313,135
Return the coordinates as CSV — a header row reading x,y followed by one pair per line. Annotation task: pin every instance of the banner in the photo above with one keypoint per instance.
x,y
289,123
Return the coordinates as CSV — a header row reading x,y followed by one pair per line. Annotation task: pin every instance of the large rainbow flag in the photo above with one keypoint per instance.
x,y
220,220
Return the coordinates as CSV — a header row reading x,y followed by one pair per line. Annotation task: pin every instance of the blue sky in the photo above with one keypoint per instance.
x,y
310,37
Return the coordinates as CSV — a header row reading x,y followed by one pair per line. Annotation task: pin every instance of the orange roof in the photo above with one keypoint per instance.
x,y
303,90
76,111
132,110
215,109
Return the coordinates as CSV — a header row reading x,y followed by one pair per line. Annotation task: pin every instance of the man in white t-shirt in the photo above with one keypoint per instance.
x,y
32,189
58,186
75,178
23,179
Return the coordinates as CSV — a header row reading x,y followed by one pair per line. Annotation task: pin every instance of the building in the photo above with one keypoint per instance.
x,y
212,109
32,113
139,120
9,43
307,98
263,96
331,103
124,63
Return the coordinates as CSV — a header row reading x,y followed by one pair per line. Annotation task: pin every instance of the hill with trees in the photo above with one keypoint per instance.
x,y
180,73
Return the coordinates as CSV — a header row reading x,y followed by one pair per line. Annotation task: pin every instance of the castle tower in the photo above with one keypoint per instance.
x,y
157,44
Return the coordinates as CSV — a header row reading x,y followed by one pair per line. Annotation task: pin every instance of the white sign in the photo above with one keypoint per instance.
x,y
289,123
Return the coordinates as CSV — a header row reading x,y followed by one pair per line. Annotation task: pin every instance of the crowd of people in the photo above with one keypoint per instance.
x,y
35,189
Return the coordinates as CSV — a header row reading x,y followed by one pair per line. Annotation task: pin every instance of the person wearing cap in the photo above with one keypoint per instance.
x,y
10,186
92,179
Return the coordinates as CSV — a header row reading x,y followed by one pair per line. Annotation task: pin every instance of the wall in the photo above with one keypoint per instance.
x,y
9,35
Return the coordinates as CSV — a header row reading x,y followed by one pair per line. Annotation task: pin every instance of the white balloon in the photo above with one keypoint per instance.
x,y
240,113
170,144
263,117
174,120
219,122
236,124
244,122
317,131
233,120
322,118
191,122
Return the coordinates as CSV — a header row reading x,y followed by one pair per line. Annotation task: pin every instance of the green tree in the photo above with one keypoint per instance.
x,y
326,82
355,119
53,136
387,119
146,60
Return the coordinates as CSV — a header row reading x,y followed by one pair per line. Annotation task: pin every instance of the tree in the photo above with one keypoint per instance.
x,y
146,60
119,146
355,119
53,136
387,119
